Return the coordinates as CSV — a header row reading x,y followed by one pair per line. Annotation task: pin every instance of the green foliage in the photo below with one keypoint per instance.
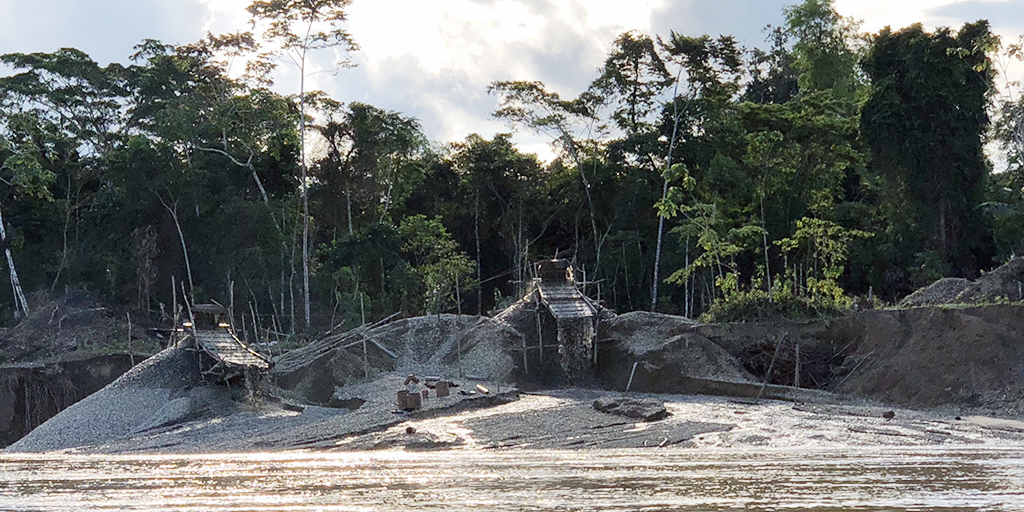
x,y
634,75
304,25
757,304
436,258
784,177
823,51
373,163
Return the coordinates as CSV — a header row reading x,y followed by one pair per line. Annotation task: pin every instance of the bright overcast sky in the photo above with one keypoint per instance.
x,y
433,59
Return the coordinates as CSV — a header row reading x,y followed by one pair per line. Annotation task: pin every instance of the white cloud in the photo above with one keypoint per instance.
x,y
434,59
878,14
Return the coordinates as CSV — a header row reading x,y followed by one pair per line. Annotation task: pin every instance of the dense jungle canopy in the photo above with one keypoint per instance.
x,y
694,176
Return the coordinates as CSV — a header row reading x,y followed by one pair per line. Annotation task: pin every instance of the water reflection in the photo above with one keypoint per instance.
x,y
879,478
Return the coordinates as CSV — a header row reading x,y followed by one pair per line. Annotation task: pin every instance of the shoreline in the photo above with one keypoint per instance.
x,y
564,419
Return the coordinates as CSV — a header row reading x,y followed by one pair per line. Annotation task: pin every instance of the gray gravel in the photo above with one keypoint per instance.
x,y
132,401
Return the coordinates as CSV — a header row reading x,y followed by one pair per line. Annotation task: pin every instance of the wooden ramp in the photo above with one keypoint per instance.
x,y
229,352
565,301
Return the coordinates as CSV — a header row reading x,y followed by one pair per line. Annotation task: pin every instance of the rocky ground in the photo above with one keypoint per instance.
x,y
566,419
559,419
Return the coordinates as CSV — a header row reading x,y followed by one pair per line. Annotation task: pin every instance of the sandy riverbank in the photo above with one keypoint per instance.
x,y
558,419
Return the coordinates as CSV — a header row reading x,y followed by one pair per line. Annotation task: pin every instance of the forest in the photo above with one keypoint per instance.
x,y
693,176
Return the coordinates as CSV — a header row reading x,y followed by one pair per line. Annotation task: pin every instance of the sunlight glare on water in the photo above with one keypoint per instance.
x,y
672,479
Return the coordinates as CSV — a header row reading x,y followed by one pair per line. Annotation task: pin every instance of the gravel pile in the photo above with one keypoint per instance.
x,y
943,291
440,345
669,352
1005,283
162,390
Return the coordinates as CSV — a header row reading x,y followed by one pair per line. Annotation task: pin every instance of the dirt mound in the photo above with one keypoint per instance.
x,y
442,345
74,322
670,352
644,331
1005,283
933,356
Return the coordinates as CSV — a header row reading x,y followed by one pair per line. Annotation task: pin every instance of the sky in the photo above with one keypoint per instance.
x,y
434,59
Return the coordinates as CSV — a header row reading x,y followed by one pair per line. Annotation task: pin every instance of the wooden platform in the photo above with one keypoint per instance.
x,y
565,301
228,350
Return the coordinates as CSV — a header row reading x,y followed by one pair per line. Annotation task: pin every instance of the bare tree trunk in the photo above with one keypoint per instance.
x,y
173,210
686,284
664,196
305,188
767,263
479,266
574,153
348,206
64,249
20,304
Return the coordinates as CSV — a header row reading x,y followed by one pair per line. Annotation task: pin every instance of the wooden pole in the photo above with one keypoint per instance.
x,y
231,302
174,310
245,331
796,372
526,369
458,297
540,337
768,374
631,374
255,326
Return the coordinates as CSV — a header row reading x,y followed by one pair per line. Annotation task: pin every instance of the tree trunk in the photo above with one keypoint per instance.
x,y
664,196
764,237
348,206
173,210
305,188
479,266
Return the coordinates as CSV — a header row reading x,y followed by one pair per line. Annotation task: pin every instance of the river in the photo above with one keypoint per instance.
x,y
652,480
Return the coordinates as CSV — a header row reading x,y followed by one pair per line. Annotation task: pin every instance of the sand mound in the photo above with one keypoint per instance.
x,y
670,352
1005,283
943,291
440,345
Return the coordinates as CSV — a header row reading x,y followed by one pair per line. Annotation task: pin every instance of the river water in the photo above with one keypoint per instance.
x,y
656,479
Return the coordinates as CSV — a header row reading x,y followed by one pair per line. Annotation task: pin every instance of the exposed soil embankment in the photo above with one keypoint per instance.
x,y
926,357
75,323
69,347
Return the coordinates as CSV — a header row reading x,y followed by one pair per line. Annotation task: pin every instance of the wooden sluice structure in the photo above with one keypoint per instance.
x,y
227,356
566,321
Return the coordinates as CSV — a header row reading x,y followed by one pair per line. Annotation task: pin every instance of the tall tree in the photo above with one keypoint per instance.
x,y
712,69
633,76
822,49
371,163
302,27
925,123
575,127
